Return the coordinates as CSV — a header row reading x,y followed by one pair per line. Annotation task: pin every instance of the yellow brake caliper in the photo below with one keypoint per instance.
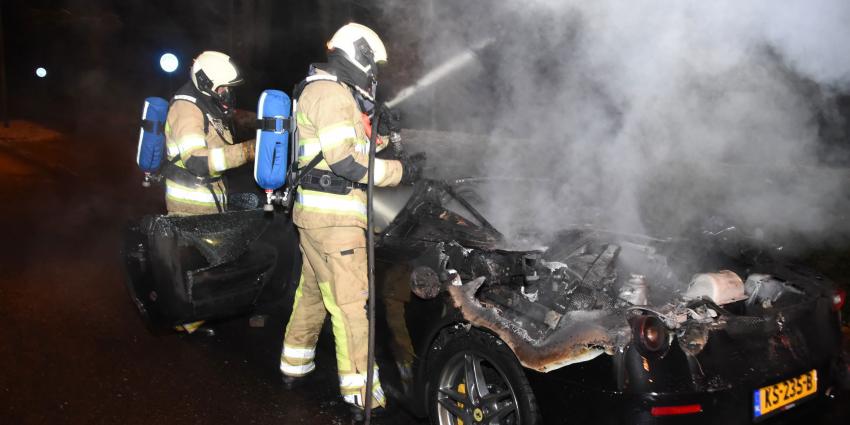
x,y
461,388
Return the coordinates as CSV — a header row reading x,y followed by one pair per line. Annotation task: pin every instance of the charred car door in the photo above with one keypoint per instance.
x,y
184,269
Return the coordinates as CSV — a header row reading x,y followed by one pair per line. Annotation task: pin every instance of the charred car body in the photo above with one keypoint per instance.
x,y
650,330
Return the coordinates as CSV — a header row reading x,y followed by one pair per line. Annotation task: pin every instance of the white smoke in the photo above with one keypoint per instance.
x,y
660,113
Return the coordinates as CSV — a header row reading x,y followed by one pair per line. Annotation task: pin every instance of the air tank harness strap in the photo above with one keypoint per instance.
x,y
326,181
153,127
183,176
277,125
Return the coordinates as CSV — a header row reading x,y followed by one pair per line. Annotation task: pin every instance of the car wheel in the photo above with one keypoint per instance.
x,y
475,379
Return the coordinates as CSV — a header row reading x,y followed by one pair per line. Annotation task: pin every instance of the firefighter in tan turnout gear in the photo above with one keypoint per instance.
x,y
200,139
200,142
330,211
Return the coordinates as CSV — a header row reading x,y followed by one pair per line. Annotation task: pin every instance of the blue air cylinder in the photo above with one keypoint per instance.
x,y
272,149
152,137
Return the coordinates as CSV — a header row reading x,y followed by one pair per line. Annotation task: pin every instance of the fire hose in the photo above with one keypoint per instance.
x,y
453,65
370,253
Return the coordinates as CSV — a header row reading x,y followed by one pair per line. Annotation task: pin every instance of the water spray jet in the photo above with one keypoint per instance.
x,y
447,68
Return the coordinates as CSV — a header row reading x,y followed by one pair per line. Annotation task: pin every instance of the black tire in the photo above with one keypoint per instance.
x,y
460,356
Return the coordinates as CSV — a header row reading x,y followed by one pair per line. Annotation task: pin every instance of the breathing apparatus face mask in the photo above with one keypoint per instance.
x,y
222,96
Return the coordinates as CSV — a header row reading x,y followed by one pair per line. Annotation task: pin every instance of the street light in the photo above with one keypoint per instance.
x,y
168,62
40,72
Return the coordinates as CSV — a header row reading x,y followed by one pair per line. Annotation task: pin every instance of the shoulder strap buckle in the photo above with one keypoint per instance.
x,y
275,124
152,127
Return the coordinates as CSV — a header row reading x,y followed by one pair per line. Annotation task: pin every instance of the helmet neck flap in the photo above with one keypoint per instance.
x,y
361,78
223,101
365,100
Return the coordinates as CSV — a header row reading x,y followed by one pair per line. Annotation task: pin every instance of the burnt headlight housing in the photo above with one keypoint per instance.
x,y
650,336
425,283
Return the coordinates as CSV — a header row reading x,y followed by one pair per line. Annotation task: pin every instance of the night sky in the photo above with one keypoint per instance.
x,y
102,57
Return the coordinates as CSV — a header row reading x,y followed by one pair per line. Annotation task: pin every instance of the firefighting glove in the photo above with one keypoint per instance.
x,y
412,166
389,122
248,149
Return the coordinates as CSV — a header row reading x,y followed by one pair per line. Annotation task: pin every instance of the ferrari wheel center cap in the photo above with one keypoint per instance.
x,y
478,415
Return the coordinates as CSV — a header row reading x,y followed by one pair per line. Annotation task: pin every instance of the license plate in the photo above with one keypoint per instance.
x,y
783,395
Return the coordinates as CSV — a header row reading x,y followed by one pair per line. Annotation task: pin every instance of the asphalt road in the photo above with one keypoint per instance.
x,y
73,351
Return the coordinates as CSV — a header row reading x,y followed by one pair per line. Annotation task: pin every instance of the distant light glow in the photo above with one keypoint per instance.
x,y
40,72
168,62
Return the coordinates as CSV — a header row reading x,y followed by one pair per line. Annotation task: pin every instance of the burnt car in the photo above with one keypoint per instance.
x,y
589,325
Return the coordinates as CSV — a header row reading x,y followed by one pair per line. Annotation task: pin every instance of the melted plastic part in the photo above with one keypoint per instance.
x,y
219,238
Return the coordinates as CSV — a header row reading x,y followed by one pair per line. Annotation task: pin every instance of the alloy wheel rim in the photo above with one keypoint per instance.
x,y
472,390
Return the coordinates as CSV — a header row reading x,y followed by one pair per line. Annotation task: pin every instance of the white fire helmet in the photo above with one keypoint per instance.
x,y
361,45
212,70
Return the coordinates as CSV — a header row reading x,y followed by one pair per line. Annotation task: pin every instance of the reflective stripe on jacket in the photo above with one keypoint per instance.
x,y
329,121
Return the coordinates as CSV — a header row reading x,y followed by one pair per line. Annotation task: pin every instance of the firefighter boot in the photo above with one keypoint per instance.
x,y
290,382
358,414
293,382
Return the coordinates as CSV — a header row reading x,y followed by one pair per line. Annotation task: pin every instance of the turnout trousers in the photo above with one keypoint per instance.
x,y
333,280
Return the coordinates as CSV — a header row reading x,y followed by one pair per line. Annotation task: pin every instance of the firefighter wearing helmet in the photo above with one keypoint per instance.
x,y
333,115
199,142
200,138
